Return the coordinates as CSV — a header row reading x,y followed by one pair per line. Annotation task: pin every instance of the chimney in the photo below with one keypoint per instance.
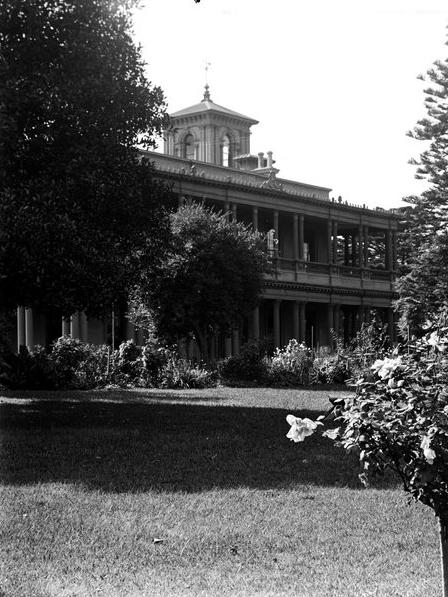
x,y
269,154
261,159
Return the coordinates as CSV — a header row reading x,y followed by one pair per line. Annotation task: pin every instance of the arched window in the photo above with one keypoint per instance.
x,y
189,150
225,151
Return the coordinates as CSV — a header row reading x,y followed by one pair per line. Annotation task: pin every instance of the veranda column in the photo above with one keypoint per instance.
x,y
366,314
29,329
21,338
276,228
65,327
360,247
228,346
354,260
330,323
346,250
388,263
302,317
394,250
83,327
329,238
256,323
296,235
277,323
296,320
301,237
336,318
335,241
255,218
366,246
390,324
360,316
234,212
235,342
130,330
74,325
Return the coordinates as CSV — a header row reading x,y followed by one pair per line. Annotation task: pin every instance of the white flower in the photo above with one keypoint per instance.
x,y
436,341
300,428
386,367
428,452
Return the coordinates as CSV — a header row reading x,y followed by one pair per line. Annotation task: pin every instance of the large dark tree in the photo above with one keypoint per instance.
x,y
78,210
211,279
424,237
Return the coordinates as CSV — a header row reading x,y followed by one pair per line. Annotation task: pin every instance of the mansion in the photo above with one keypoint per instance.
x,y
333,263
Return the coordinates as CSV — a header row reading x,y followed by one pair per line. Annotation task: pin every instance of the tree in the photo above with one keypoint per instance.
x,y
79,210
210,280
419,291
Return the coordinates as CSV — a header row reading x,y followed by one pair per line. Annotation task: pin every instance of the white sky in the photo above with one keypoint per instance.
x,y
332,82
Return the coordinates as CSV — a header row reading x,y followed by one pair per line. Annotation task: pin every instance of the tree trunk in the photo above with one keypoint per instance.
x,y
443,530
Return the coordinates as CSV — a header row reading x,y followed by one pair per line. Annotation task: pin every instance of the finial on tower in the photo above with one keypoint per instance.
x,y
206,92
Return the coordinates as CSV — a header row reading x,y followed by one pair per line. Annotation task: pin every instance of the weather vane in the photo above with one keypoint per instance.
x,y
207,66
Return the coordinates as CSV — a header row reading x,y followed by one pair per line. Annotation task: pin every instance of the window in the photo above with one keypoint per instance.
x,y
225,151
189,149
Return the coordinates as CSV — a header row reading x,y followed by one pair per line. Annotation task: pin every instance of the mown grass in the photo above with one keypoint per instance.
x,y
146,493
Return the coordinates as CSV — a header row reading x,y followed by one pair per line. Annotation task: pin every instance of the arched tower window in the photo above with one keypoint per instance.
x,y
225,151
188,148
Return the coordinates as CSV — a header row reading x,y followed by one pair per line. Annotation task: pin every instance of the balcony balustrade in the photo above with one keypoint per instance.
x,y
283,266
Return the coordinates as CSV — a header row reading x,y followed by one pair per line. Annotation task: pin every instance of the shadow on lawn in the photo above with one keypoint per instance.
x,y
120,447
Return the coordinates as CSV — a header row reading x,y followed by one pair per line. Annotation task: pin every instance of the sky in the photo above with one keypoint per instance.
x,y
333,83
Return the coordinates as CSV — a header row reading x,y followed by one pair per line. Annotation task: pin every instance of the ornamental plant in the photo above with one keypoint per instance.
x,y
398,419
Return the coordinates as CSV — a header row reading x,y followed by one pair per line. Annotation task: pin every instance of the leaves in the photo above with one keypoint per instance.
x,y
80,212
210,278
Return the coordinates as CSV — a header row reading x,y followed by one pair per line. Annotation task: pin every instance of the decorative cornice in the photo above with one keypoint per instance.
x,y
362,292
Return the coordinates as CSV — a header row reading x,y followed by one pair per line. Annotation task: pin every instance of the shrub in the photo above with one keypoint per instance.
x,y
291,365
78,365
25,370
331,368
127,364
154,359
179,373
248,366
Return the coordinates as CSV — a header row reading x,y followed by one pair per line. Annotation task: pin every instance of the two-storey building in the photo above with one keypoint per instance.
x,y
333,262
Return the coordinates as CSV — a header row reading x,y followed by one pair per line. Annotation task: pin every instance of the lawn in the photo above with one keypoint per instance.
x,y
196,492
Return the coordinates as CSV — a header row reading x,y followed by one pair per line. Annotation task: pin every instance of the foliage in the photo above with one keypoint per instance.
x,y
79,365
291,365
399,419
180,373
369,343
30,371
331,368
80,213
425,285
211,278
249,365
424,290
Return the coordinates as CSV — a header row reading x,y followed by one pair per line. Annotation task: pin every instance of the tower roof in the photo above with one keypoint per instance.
x,y
207,105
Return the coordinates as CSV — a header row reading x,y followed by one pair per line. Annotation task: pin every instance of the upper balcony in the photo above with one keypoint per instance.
x,y
331,275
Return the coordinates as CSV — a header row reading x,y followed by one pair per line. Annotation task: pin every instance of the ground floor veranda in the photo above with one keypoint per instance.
x,y
275,321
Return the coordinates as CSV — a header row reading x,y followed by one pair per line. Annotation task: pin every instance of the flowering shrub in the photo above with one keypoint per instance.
x,y
127,364
331,368
291,365
398,419
79,365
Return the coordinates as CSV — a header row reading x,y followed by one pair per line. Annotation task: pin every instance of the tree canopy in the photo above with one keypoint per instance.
x,y
79,210
424,238
211,278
